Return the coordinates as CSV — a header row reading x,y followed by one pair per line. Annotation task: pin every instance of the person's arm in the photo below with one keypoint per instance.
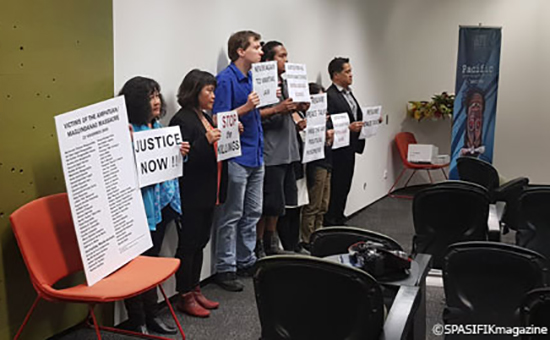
x,y
286,106
251,103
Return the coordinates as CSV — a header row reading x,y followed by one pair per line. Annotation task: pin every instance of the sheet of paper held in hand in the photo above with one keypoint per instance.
x,y
316,116
158,155
296,80
100,175
265,81
371,118
229,145
341,130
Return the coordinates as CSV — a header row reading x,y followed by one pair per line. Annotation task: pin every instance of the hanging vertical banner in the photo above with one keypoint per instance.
x,y
476,94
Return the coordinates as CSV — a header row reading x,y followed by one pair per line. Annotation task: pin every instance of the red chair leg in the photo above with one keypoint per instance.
x,y
172,312
96,327
430,176
397,180
444,174
27,317
407,183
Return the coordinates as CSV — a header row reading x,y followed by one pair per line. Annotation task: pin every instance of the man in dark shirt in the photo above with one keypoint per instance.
x,y
341,100
236,225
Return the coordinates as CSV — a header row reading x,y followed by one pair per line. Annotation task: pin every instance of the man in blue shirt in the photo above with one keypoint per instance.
x,y
236,225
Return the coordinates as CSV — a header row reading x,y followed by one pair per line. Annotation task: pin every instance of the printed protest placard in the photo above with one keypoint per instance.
x,y
158,156
296,79
264,82
316,116
100,175
314,146
371,118
341,130
229,145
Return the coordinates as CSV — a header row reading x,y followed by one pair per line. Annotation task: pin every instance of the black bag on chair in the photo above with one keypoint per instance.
x,y
381,263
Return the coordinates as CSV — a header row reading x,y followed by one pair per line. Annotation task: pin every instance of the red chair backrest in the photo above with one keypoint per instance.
x,y
402,141
45,233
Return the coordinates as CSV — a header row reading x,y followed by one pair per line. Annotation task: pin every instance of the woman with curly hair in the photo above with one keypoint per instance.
x,y
145,106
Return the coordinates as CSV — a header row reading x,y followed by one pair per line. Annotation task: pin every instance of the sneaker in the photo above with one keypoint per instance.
x,y
259,250
229,281
302,249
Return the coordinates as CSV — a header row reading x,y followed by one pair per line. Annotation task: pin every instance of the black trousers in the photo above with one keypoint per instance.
x,y
193,236
343,164
288,227
145,305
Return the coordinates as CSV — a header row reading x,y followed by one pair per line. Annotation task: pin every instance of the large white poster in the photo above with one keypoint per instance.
x,y
371,118
158,155
229,145
296,80
316,116
341,130
264,82
101,179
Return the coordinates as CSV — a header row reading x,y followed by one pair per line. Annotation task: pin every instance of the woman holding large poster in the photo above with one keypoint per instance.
x,y
145,106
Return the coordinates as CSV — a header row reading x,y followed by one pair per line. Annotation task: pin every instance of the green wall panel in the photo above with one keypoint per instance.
x,y
55,56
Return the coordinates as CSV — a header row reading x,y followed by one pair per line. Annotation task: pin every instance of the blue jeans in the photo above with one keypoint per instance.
x,y
236,225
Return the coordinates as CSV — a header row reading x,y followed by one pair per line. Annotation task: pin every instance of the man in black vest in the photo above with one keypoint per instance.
x,y
341,100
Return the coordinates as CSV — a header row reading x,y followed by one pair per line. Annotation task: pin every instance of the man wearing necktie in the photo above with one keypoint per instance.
x,y
341,100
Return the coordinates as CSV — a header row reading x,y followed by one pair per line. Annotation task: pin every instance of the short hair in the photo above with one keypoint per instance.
x,y
238,40
470,93
191,87
269,50
336,65
315,88
137,92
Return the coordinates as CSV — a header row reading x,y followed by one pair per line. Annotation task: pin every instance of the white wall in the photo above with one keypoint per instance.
x,y
400,50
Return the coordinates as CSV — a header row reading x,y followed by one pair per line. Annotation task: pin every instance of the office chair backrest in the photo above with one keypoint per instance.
x,y
477,171
485,282
302,297
509,193
448,213
336,240
47,240
536,311
534,220
402,141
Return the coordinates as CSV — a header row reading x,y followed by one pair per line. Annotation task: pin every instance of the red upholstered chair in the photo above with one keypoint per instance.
x,y
45,233
402,141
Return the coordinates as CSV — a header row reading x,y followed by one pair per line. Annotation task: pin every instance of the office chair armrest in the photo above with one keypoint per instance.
x,y
509,188
401,315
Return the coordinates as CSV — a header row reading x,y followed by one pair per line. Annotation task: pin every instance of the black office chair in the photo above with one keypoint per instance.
x,y
447,213
475,170
533,228
485,282
306,298
336,240
536,312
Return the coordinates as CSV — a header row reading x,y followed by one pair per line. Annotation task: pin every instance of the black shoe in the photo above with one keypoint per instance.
x,y
246,272
156,325
302,249
132,326
229,281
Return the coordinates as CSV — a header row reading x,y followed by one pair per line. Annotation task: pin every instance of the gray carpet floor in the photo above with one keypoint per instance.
x,y
237,317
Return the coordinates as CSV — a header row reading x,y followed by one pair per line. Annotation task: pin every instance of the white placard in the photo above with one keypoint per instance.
x,y
100,175
317,113
265,81
341,130
371,118
296,80
314,146
158,155
229,145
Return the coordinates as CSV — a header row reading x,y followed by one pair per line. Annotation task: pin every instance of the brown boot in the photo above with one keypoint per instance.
x,y
188,304
203,301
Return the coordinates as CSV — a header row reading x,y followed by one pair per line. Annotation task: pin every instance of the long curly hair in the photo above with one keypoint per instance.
x,y
137,92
